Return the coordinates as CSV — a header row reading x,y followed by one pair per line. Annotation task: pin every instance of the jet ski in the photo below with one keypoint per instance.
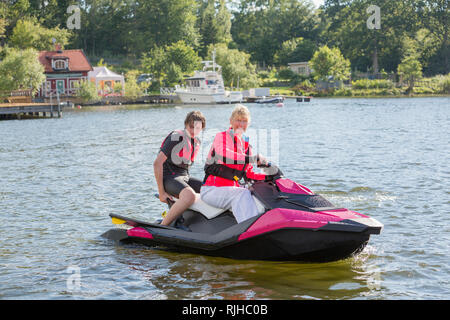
x,y
294,224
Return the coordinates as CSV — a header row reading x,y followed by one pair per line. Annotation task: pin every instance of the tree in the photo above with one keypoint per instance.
x,y
435,16
130,27
236,66
214,24
328,62
295,50
29,33
182,55
132,89
261,26
154,62
87,91
347,29
171,62
410,67
160,23
21,69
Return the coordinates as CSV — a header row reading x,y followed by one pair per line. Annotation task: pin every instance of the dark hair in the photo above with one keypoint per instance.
x,y
193,116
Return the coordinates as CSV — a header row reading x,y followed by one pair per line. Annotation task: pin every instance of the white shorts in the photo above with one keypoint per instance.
x,y
238,199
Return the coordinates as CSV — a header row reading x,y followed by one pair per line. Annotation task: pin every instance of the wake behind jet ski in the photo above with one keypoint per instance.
x,y
294,224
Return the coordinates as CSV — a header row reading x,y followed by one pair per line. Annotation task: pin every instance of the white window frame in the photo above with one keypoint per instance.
x,y
64,62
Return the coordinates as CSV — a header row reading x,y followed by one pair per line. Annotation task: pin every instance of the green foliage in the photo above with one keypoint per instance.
x,y
445,84
132,89
372,84
174,73
261,26
286,74
21,69
328,62
118,88
29,33
214,24
295,50
134,27
87,91
411,69
2,27
170,62
236,66
182,55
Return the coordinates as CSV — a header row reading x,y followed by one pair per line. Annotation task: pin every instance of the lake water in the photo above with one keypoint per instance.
x,y
60,178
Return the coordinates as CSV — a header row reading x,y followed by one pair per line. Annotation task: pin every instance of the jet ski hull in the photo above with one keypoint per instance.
x,y
267,237
279,245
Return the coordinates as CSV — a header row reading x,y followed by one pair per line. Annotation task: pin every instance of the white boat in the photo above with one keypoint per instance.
x,y
206,86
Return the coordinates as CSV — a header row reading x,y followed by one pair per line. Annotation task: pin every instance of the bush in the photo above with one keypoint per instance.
x,y
344,92
286,74
372,84
87,91
423,90
263,74
444,84
132,89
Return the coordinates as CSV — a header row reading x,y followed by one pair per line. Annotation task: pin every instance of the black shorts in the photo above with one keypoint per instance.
x,y
174,184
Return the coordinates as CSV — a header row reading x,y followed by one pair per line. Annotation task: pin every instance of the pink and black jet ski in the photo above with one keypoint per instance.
x,y
294,224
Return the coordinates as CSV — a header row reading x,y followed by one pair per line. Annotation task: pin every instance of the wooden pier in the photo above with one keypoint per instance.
x,y
297,98
29,110
300,98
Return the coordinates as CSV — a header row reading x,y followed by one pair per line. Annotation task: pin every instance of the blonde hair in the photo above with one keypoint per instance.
x,y
240,111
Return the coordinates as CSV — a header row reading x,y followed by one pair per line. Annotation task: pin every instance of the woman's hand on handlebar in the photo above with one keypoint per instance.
x,y
262,162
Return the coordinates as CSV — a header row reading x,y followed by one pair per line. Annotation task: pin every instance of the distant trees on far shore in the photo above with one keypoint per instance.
x,y
247,33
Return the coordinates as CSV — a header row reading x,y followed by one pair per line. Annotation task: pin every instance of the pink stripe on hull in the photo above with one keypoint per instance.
x,y
289,186
139,233
289,218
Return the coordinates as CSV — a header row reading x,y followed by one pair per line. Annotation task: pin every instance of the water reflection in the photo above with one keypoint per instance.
x,y
188,276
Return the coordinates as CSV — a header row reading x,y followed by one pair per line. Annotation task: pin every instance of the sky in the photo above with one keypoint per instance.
x,y
318,3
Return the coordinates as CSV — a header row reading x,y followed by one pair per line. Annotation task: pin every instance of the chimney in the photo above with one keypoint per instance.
x,y
58,48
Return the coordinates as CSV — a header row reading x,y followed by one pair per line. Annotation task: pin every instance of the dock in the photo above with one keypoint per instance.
x,y
29,110
300,98
297,98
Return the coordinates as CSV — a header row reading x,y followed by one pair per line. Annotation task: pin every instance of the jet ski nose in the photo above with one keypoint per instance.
x,y
373,225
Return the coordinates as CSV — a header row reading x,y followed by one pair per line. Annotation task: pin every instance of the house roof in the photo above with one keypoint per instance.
x,y
103,73
78,61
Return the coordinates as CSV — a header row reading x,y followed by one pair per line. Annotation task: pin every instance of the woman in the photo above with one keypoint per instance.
x,y
228,161
171,167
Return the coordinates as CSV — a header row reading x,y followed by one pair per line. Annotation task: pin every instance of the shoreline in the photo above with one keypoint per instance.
x,y
385,97
137,104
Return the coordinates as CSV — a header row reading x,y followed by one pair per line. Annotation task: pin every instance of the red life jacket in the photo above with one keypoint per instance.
x,y
184,152
230,151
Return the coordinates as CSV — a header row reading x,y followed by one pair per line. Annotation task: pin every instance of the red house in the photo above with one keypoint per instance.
x,y
63,69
